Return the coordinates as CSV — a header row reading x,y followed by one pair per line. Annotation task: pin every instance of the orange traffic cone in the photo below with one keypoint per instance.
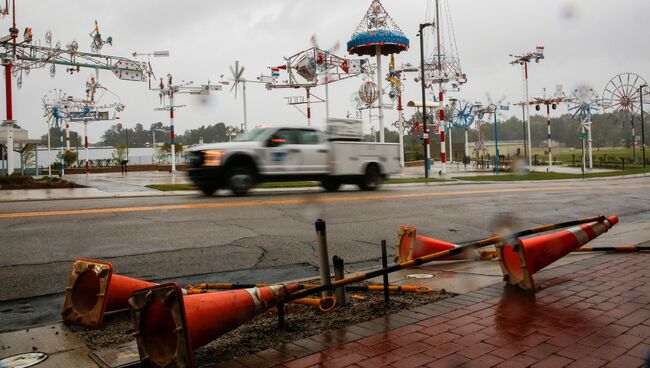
x,y
522,258
170,326
94,289
411,246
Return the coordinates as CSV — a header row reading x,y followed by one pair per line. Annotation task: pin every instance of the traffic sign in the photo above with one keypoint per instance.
x,y
582,135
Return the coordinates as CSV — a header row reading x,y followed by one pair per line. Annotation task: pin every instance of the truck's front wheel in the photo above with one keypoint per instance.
x,y
330,184
372,179
240,180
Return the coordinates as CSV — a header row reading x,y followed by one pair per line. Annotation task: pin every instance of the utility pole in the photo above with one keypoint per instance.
x,y
425,127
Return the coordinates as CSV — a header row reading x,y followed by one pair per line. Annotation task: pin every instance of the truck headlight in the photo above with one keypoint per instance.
x,y
212,157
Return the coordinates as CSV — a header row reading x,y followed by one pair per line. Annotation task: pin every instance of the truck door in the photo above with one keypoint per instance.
x,y
281,156
315,150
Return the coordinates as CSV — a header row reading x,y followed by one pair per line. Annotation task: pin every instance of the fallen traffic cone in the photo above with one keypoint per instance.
x,y
522,258
94,289
170,327
411,246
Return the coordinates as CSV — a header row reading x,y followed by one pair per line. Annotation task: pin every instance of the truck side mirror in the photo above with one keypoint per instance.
x,y
274,141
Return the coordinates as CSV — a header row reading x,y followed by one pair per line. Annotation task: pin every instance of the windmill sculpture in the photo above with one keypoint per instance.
x,y
238,79
584,102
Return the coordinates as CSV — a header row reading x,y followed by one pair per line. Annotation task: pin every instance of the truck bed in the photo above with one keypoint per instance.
x,y
350,158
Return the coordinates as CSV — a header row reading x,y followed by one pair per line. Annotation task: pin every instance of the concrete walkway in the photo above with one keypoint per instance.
x,y
591,313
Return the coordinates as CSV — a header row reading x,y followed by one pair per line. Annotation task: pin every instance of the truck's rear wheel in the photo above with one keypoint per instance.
x,y
372,179
331,184
240,180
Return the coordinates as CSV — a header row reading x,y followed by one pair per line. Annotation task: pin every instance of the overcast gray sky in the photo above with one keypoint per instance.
x,y
586,41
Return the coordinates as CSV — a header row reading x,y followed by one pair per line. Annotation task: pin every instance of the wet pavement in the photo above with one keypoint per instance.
x,y
591,313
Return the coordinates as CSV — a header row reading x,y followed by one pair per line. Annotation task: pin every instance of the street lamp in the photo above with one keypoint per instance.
x,y
425,127
642,124
523,60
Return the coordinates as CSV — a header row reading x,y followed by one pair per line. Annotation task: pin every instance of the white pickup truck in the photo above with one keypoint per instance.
x,y
288,154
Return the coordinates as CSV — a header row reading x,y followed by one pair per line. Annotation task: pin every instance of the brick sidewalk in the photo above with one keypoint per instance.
x,y
591,313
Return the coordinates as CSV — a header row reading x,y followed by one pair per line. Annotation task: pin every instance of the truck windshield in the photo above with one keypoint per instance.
x,y
253,135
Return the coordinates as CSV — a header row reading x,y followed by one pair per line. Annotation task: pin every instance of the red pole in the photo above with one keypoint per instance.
x,y
10,113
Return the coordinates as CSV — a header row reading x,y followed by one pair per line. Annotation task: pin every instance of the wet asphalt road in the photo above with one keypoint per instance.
x,y
199,238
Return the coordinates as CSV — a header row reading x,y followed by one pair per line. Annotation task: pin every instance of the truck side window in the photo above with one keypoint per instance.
x,y
283,136
309,137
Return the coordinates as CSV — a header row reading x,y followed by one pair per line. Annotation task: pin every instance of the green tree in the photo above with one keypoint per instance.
x,y
69,157
119,154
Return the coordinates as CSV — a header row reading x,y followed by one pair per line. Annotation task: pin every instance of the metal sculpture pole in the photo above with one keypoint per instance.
x,y
171,130
441,111
380,99
642,122
10,118
425,126
530,146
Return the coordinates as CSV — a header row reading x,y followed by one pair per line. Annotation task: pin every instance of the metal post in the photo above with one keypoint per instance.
x,y
308,107
589,147
380,100
171,131
425,126
384,264
10,117
523,123
321,240
49,149
127,143
530,146
548,128
245,114
582,130
642,123
496,141
153,146
400,128
86,145
61,144
633,140
466,145
441,117
339,274
36,171
451,149
327,103
280,308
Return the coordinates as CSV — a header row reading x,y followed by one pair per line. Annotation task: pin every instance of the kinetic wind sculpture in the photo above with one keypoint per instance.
x,y
377,34
60,108
442,66
621,96
394,78
21,56
310,68
167,93
523,60
550,103
462,117
583,103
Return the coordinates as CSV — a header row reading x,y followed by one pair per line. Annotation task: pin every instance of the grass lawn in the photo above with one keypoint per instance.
x,y
288,184
551,176
566,155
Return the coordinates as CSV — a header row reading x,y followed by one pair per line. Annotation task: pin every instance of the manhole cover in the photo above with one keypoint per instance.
x,y
23,360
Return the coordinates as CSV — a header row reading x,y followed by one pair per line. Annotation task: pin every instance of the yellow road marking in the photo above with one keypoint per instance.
x,y
297,201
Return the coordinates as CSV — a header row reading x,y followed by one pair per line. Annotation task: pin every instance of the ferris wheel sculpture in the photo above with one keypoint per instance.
x,y
55,111
622,98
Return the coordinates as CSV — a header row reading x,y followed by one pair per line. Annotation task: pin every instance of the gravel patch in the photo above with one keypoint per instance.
x,y
262,333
